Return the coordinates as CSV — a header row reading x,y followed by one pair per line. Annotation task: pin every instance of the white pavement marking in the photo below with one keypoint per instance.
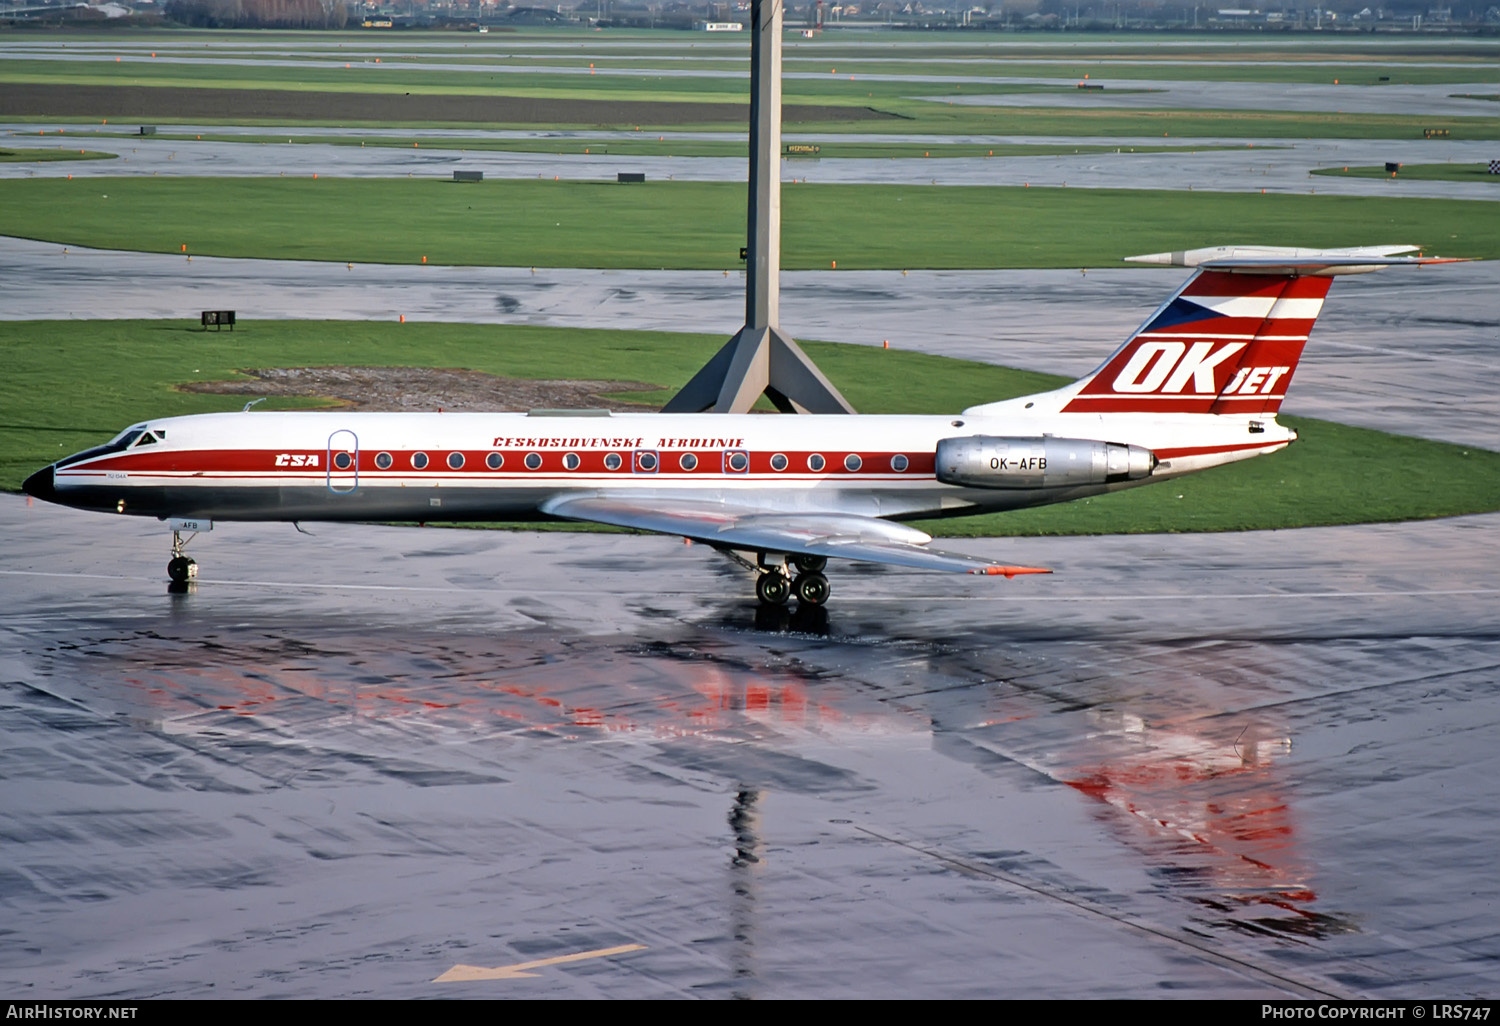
x,y
469,973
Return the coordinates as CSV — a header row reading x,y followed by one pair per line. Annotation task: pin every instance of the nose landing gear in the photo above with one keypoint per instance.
x,y
181,568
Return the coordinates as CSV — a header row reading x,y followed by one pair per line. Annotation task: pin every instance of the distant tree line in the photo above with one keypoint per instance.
x,y
291,14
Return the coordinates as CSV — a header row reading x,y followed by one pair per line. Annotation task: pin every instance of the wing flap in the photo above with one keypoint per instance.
x,y
834,535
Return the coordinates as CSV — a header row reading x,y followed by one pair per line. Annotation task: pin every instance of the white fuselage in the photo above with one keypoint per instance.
x,y
506,466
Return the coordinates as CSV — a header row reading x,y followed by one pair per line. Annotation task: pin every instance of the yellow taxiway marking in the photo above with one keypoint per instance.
x,y
460,973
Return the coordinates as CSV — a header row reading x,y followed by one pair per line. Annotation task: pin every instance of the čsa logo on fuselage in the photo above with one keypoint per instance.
x,y
1168,367
296,459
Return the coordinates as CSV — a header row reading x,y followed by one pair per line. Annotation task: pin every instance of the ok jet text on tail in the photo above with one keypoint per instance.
x,y
1197,386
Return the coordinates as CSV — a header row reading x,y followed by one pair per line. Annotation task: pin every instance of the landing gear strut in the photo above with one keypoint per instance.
x,y
181,568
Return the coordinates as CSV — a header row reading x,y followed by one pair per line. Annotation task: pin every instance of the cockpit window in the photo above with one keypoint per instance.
x,y
125,438
147,438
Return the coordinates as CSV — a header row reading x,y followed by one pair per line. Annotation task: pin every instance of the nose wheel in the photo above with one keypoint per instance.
x,y
181,568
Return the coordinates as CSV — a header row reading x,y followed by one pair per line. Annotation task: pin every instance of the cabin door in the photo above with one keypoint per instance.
x,y
343,462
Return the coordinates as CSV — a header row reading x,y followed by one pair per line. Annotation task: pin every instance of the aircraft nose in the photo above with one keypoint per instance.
x,y
40,485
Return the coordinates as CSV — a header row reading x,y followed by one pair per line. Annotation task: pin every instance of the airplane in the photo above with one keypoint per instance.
x,y
1198,385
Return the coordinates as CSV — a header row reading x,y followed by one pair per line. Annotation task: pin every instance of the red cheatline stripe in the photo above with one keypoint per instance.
x,y
711,463
537,478
1212,450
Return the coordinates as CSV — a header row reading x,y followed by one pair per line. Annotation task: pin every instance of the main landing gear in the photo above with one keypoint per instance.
x,y
775,585
781,577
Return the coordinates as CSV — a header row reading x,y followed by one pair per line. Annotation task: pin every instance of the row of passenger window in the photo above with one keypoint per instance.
x,y
735,462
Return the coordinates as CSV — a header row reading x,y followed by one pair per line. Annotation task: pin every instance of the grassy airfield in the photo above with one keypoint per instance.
x,y
46,156
699,225
119,372
1419,173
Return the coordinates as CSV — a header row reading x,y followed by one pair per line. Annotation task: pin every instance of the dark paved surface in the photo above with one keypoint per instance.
x,y
1212,766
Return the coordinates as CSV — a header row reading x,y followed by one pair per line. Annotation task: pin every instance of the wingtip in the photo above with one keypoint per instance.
x,y
1010,571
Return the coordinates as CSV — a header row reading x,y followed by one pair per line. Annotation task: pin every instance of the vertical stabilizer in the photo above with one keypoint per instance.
x,y
1225,343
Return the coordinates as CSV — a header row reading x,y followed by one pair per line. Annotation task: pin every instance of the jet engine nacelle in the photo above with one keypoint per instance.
x,y
986,461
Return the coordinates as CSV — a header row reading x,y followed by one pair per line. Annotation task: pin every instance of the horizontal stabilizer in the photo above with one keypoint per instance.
x,y
1291,260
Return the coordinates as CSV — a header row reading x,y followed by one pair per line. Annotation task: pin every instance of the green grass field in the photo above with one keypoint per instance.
x,y
29,156
118,372
701,224
1420,173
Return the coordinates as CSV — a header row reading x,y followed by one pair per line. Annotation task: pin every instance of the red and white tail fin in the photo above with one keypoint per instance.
x,y
1229,340
1225,343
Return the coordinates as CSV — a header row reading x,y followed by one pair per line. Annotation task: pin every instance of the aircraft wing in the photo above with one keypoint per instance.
x,y
835,535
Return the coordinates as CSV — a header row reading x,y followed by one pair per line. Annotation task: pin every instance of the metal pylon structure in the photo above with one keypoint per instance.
x,y
760,359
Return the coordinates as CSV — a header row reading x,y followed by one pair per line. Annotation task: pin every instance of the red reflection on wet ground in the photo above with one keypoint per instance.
x,y
467,684
1211,818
